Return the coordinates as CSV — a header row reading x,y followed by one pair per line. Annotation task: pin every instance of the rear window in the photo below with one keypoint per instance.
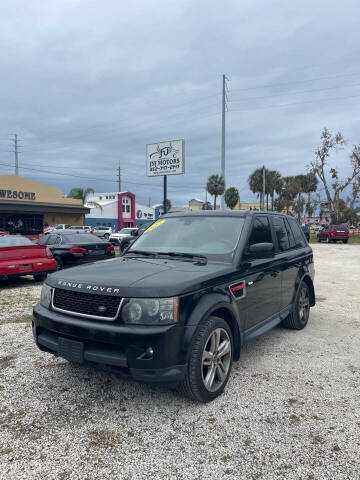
x,y
339,228
15,241
300,239
281,233
80,238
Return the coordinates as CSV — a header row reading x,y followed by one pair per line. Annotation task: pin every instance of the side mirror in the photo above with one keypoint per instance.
x,y
262,250
134,233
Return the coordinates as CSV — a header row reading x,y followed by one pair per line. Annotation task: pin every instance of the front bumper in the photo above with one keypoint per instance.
x,y
123,347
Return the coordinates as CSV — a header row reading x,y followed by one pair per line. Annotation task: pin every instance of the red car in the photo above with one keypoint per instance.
x,y
333,233
20,256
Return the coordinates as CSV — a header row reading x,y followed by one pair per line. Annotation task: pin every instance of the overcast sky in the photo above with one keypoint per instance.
x,y
87,84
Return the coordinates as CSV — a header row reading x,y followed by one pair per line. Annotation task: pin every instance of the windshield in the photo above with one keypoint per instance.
x,y
126,230
214,237
80,238
14,241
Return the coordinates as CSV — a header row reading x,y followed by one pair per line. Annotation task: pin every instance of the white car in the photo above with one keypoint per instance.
x,y
54,228
103,231
82,229
118,237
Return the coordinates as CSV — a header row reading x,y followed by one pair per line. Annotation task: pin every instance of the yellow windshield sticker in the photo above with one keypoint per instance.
x,y
155,225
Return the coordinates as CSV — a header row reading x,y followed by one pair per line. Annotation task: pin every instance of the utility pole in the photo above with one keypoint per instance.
x,y
16,151
263,189
224,108
119,177
165,194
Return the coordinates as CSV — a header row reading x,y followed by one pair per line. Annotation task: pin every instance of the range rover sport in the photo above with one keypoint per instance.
x,y
179,304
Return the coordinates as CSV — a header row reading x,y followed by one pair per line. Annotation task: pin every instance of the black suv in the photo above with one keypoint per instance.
x,y
179,304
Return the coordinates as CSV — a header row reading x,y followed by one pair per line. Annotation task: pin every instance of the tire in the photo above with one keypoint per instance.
x,y
345,241
59,263
106,236
298,319
124,246
202,381
39,277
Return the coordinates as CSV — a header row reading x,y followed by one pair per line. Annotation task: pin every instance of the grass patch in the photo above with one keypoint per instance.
x,y
103,438
5,362
6,451
226,458
22,319
353,239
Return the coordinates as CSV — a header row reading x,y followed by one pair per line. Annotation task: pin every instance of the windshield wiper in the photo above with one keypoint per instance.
x,y
200,258
141,252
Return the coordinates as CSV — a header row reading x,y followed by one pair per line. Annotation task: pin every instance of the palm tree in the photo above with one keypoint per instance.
x,y
255,182
273,184
287,192
231,197
82,194
215,186
310,186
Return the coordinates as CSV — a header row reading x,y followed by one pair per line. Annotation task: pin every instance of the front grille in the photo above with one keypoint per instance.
x,y
81,303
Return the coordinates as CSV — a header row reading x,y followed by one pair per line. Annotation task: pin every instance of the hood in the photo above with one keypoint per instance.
x,y
140,277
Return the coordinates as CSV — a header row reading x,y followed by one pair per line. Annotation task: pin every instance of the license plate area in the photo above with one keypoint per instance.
x,y
96,252
71,350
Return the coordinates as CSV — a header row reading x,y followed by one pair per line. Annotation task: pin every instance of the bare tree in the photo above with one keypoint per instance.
x,y
335,185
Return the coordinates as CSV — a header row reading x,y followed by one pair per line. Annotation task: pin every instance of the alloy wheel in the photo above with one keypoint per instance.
x,y
304,305
216,359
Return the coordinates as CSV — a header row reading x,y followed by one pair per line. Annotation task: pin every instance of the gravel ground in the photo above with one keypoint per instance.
x,y
290,411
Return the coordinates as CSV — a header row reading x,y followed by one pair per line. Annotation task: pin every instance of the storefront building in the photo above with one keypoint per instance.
x,y
26,206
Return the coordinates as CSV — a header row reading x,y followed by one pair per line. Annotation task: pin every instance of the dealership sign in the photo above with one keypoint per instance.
x,y
165,158
17,195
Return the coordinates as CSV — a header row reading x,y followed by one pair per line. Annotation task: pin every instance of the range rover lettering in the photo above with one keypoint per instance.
x,y
179,304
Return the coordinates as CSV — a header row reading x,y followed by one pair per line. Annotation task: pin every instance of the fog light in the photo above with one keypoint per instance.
x,y
149,352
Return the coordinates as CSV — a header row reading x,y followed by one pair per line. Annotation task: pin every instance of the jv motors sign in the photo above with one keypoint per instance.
x,y
17,195
165,158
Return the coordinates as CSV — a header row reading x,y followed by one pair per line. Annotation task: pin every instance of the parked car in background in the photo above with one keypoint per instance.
x,y
2,233
333,233
73,248
125,242
306,231
83,228
51,228
103,231
116,238
20,256
179,304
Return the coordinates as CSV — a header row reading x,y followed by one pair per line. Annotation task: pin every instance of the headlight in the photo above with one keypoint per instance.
x,y
150,311
45,298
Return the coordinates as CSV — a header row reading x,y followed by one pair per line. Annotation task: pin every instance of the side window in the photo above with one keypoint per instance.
x,y
292,242
52,239
300,239
43,240
261,232
281,233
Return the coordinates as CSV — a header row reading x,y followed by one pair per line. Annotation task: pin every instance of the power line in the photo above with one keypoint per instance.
x,y
294,83
295,93
297,103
